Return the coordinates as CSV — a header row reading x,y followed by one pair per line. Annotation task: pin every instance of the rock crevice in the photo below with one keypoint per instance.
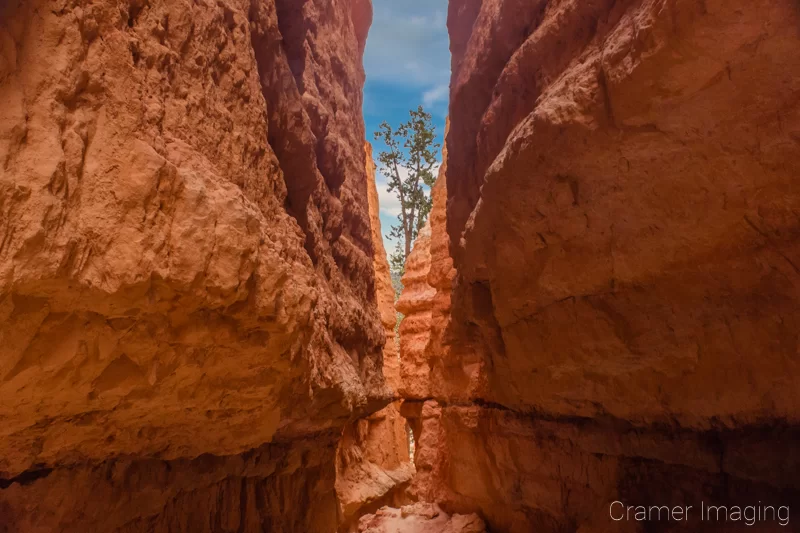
x,y
197,319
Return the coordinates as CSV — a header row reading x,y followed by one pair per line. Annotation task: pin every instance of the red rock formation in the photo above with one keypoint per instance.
x,y
622,215
187,313
384,289
373,458
415,305
425,301
430,455
642,233
419,518
452,364
373,464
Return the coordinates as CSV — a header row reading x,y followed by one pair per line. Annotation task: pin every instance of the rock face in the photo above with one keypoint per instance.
x,y
652,214
419,518
187,300
415,304
373,462
195,299
424,331
384,290
622,215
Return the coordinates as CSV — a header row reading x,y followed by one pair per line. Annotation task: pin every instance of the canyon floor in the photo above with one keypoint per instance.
x,y
198,321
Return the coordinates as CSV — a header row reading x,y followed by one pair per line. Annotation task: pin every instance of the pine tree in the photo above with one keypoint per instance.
x,y
411,151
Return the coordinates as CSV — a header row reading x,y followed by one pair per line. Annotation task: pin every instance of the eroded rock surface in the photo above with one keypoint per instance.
x,y
373,463
637,214
186,263
419,518
415,304
622,215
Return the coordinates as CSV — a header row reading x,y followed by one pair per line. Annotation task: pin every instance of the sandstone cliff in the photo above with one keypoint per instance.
x,y
425,338
373,463
187,298
622,216
195,299
414,304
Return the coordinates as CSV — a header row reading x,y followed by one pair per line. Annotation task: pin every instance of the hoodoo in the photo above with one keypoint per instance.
x,y
601,313
373,463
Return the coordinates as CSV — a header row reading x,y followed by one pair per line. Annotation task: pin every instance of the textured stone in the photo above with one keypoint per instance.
x,y
430,454
415,305
628,221
186,262
622,216
256,491
524,473
373,462
384,289
419,518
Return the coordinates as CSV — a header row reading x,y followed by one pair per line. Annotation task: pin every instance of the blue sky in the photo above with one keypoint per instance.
x,y
407,61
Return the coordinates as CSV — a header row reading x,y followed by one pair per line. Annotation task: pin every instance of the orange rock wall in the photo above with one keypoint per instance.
x,y
187,294
373,461
415,304
640,234
622,217
383,280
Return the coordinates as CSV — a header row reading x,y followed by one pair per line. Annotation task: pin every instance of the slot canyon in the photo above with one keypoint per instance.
x,y
198,325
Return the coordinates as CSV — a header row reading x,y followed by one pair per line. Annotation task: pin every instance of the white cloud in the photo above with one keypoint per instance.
x,y
440,93
419,21
390,207
389,202
408,43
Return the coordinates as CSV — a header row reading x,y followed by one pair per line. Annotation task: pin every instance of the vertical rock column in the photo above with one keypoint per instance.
x,y
425,294
373,459
415,305
424,344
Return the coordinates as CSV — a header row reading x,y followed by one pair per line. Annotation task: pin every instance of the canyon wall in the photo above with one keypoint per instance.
x,y
373,461
414,304
188,311
622,216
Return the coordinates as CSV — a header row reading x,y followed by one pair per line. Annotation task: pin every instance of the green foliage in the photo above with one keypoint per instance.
x,y
397,284
397,261
410,147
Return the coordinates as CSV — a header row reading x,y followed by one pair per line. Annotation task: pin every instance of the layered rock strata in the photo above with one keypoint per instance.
x,y
415,306
187,297
622,217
